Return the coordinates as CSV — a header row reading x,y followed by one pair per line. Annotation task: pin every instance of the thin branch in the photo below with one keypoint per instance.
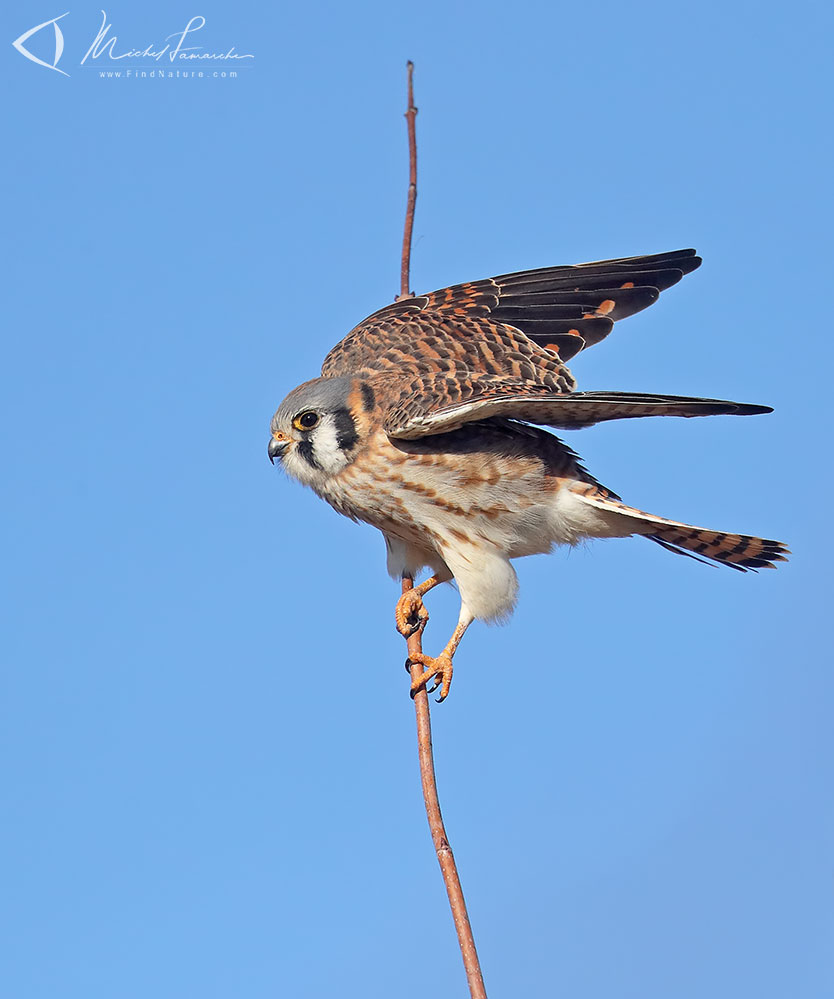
x,y
410,116
445,857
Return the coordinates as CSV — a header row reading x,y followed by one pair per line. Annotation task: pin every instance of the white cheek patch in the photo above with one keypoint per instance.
x,y
318,456
327,453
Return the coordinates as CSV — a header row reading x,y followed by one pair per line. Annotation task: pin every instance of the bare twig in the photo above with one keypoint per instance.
x,y
445,856
410,116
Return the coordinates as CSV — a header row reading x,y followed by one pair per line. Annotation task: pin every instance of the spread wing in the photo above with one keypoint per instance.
x,y
560,309
497,348
436,409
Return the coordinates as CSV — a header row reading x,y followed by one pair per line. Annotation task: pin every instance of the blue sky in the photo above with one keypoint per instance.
x,y
208,756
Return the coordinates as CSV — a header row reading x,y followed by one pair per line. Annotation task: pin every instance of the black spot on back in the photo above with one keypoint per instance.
x,y
346,436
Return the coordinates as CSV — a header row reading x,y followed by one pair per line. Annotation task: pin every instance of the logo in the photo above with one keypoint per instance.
x,y
59,44
176,49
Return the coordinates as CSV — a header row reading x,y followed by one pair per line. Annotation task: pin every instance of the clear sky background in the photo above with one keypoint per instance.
x,y
209,774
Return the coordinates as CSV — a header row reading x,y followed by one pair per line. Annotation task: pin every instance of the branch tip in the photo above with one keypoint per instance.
x,y
405,261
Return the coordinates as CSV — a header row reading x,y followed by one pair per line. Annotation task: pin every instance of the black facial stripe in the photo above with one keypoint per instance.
x,y
368,396
346,436
305,449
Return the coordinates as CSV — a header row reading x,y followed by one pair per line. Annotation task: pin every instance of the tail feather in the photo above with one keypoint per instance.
x,y
737,551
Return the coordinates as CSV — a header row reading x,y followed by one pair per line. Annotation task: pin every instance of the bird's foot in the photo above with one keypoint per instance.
x,y
438,669
411,613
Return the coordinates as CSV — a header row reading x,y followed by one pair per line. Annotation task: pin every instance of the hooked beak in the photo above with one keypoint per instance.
x,y
277,446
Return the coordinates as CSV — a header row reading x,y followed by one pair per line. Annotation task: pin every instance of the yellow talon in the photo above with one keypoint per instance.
x,y
411,614
435,667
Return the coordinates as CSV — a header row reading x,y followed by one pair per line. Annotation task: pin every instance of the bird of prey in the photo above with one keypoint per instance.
x,y
426,419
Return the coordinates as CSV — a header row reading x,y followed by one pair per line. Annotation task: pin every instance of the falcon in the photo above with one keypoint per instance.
x,y
427,421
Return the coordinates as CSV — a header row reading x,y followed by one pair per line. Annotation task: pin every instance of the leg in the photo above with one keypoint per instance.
x,y
411,614
441,666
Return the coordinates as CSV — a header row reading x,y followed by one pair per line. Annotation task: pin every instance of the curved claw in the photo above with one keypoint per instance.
x,y
411,614
439,667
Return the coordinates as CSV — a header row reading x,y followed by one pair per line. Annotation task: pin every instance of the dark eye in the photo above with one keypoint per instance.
x,y
306,421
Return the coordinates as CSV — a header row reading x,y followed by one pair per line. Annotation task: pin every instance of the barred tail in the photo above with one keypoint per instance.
x,y
738,551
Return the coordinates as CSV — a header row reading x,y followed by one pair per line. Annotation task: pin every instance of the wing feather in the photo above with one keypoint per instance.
x,y
562,309
497,348
411,418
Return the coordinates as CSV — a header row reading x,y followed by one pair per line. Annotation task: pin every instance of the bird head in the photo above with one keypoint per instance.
x,y
318,430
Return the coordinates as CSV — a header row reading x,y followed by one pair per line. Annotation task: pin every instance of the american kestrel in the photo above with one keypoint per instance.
x,y
422,424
